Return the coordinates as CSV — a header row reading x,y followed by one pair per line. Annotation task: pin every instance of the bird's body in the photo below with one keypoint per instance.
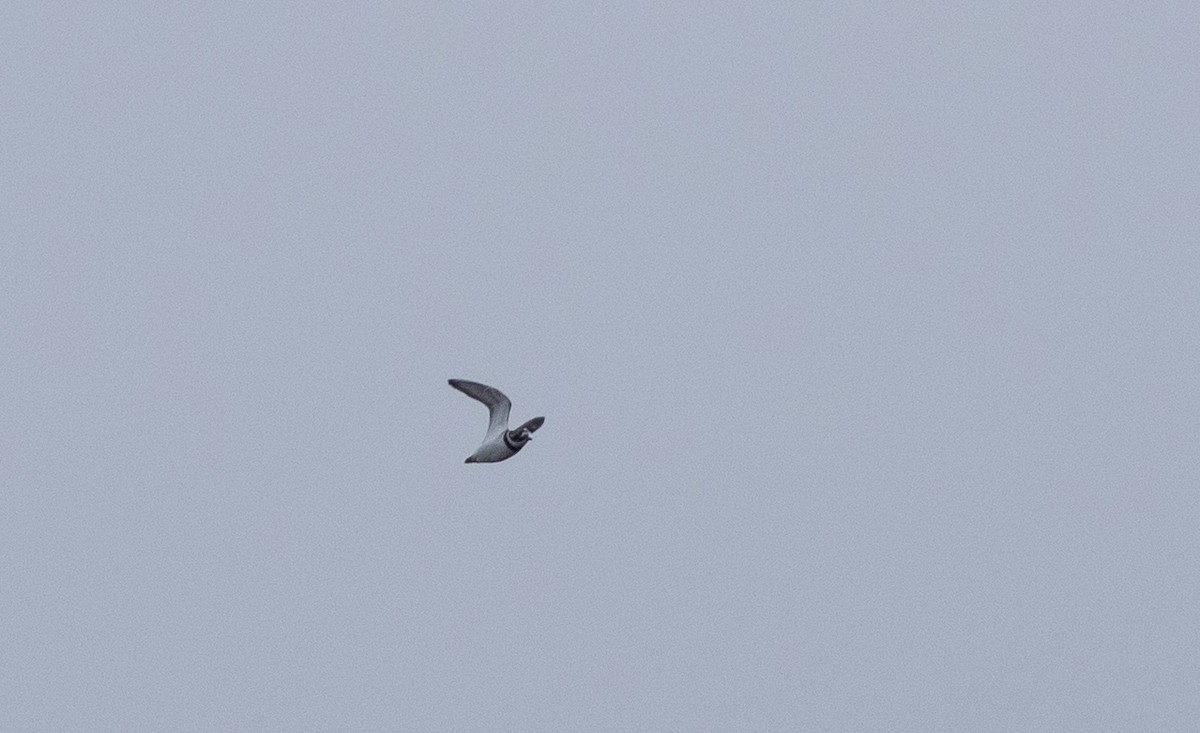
x,y
499,443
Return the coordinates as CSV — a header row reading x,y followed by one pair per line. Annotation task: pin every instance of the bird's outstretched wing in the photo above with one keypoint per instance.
x,y
497,404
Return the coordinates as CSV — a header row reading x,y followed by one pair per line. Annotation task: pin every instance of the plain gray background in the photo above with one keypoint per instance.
x,y
867,341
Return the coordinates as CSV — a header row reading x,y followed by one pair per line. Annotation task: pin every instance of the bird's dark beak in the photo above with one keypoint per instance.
x,y
470,459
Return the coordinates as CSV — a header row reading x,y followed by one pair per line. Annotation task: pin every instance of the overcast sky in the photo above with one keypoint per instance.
x,y
867,341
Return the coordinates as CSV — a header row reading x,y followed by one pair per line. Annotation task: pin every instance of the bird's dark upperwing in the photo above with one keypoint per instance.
x,y
497,404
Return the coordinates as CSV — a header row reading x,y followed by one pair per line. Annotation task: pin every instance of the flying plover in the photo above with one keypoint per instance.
x,y
500,442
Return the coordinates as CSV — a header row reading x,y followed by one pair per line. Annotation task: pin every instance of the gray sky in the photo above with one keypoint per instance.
x,y
867,341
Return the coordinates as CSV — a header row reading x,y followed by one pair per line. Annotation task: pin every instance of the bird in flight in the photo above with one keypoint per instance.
x,y
500,442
